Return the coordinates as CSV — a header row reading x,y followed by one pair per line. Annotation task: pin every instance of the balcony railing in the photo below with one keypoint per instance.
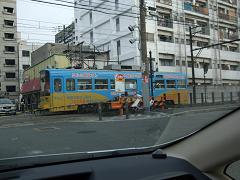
x,y
233,2
167,2
225,35
10,79
204,30
227,17
194,8
165,23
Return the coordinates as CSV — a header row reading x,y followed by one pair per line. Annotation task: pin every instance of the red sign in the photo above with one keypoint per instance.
x,y
119,77
32,85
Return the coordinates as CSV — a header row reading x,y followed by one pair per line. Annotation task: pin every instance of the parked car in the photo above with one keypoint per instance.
x,y
7,106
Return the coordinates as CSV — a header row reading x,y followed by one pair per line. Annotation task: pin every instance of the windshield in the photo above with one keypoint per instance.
x,y
5,101
86,76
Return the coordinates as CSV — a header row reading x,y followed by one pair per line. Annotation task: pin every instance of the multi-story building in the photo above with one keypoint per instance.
x,y
105,24
66,36
8,50
24,56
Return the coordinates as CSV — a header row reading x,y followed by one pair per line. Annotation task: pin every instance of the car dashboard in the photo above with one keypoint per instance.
x,y
153,166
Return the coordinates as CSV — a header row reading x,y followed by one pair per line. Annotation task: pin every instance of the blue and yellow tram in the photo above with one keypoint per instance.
x,y
74,89
69,89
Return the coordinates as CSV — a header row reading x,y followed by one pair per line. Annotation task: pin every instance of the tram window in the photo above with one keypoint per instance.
x,y
181,83
130,84
84,84
159,84
57,85
112,84
70,84
171,84
101,84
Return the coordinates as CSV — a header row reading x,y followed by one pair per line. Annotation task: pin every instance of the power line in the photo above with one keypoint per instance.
x,y
57,4
170,20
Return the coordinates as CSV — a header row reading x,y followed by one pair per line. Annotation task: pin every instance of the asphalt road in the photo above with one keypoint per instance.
x,y
26,134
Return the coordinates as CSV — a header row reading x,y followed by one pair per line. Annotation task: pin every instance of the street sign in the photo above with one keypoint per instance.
x,y
119,83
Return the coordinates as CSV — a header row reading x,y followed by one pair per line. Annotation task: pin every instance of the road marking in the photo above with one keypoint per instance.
x,y
46,129
5,126
112,120
36,152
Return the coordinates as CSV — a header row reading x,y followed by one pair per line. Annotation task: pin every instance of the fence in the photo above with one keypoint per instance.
x,y
215,94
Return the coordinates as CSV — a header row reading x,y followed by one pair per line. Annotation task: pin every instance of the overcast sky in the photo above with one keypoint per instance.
x,y
36,30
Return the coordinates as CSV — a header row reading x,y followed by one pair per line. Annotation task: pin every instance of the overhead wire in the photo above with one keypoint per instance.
x,y
104,12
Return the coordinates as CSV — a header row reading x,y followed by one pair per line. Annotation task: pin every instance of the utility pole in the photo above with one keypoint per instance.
x,y
145,61
64,37
193,70
151,72
94,56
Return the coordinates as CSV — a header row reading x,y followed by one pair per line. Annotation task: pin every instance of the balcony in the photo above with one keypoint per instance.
x,y
9,39
227,35
10,79
165,23
227,17
166,2
197,8
201,30
10,65
232,2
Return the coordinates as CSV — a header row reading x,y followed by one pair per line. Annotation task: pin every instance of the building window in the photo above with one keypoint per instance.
x,y
166,62
233,49
118,48
202,44
177,62
84,84
10,75
165,38
11,88
117,24
8,10
8,23
90,17
116,4
150,37
25,53
9,35
91,37
10,62
101,84
25,66
70,84
9,48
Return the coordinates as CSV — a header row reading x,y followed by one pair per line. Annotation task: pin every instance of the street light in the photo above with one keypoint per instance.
x,y
132,41
132,28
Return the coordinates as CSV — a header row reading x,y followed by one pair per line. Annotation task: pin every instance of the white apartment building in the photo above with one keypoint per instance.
x,y
8,50
105,24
